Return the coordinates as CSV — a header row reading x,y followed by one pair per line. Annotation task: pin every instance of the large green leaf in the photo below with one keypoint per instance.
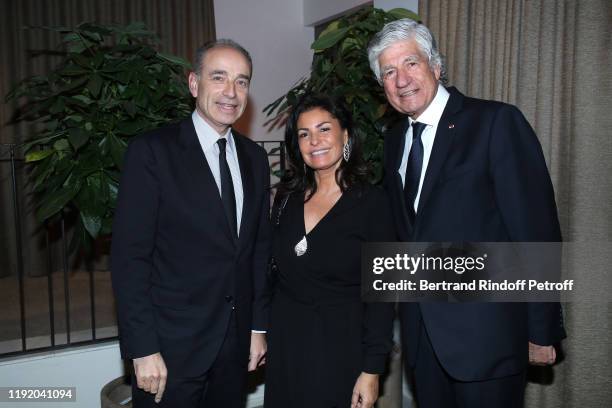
x,y
80,238
72,70
88,161
333,26
90,35
56,201
174,59
71,36
78,137
59,29
58,106
77,119
61,145
117,149
142,100
349,43
42,172
330,39
95,28
94,85
38,155
131,127
92,223
76,43
72,85
130,108
43,140
80,100
91,203
399,13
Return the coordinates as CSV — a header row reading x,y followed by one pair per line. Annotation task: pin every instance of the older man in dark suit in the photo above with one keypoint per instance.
x,y
463,169
191,244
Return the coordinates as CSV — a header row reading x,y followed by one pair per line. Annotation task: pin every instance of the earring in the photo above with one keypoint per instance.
x,y
346,151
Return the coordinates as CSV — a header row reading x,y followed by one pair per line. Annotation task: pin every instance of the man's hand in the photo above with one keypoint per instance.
x,y
257,355
365,391
541,355
151,374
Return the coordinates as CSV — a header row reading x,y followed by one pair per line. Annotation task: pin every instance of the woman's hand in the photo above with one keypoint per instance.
x,y
365,391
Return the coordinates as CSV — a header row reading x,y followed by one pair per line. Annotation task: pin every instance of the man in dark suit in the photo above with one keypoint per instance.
x,y
191,243
463,169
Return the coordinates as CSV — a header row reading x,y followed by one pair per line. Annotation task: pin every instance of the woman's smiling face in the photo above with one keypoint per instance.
x,y
321,139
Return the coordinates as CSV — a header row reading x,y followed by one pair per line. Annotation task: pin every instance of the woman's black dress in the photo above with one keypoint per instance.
x,y
321,335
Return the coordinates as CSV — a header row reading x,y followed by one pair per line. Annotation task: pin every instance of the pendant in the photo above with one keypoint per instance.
x,y
301,247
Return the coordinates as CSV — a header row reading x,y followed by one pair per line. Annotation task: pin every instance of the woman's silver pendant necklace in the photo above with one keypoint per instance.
x,y
301,247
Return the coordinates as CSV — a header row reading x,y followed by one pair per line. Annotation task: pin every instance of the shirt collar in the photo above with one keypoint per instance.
x,y
207,135
432,114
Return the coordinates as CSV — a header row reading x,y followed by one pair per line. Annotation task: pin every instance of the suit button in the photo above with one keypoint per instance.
x,y
228,298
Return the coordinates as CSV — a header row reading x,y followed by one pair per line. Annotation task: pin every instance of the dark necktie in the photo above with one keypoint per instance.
x,y
414,167
227,188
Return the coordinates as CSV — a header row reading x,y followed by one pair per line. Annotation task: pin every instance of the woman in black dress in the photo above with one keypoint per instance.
x,y
326,348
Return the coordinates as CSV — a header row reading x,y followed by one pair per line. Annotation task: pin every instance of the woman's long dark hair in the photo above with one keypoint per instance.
x,y
299,177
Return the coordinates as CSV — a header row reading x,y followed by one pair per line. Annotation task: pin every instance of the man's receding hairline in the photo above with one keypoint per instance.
x,y
227,47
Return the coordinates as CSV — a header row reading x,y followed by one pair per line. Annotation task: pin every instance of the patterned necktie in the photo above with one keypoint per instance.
x,y
228,196
413,168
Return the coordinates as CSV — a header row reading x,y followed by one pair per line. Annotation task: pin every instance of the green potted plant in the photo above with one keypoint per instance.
x,y
111,85
340,67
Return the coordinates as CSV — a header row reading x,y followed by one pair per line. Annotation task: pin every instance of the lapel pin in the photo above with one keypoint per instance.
x,y
451,126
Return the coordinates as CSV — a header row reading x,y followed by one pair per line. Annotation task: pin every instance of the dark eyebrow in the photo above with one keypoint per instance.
x,y
317,126
222,72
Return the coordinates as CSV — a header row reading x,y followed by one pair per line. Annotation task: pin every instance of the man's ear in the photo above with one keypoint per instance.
x,y
193,84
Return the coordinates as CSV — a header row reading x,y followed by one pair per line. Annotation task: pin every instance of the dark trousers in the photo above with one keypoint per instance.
x,y
222,386
436,389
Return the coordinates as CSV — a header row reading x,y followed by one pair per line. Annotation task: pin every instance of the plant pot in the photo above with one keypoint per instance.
x,y
117,393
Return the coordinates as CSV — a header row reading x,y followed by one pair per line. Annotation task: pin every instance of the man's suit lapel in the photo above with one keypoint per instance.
x,y
248,182
441,147
202,177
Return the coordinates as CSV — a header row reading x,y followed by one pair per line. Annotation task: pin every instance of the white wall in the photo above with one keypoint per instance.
x,y
273,32
87,368
318,11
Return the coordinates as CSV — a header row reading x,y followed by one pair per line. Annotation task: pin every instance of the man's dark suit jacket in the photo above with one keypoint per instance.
x,y
177,271
486,181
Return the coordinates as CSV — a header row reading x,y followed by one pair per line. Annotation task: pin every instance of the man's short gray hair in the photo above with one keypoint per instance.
x,y
401,30
220,43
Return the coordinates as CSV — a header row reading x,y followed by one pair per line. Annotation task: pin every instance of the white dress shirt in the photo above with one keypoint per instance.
x,y
430,117
208,140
